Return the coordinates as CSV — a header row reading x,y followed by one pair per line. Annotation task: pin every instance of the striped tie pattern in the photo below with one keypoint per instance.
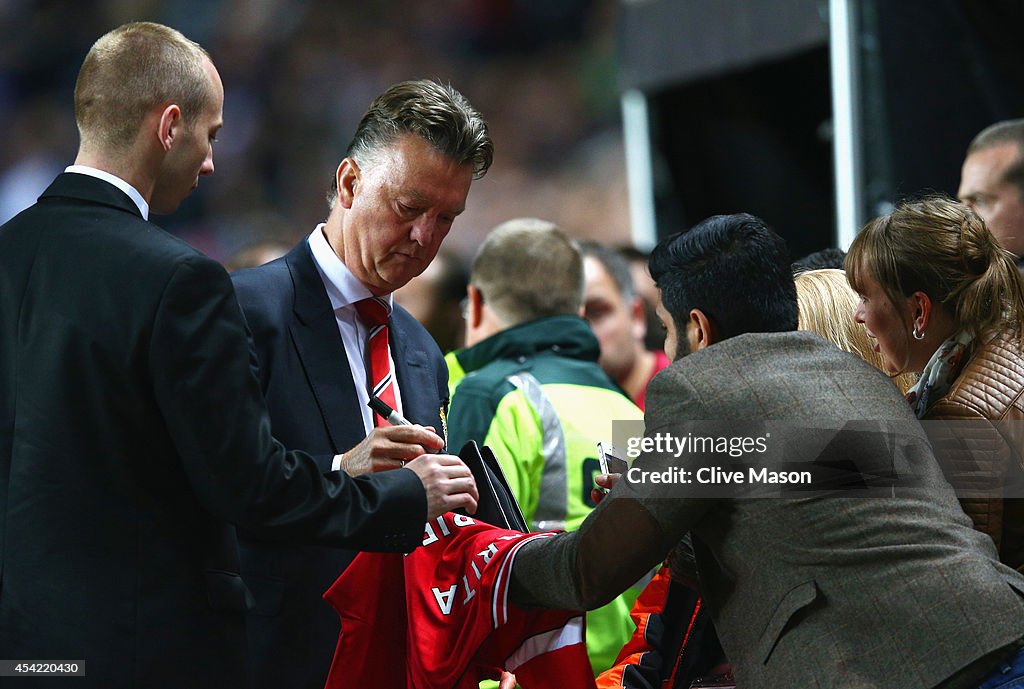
x,y
374,314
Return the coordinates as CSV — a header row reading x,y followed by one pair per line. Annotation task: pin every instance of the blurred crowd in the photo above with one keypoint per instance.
x,y
141,420
298,75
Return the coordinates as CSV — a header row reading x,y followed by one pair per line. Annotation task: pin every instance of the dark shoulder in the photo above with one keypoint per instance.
x,y
262,283
83,243
405,320
413,332
94,230
266,295
152,254
138,250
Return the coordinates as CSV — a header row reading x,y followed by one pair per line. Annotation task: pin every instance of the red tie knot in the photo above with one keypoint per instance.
x,y
373,311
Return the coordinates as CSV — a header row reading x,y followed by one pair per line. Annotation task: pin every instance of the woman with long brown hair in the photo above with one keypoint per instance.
x,y
941,298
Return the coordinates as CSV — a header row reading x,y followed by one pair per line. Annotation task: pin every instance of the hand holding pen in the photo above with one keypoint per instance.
x,y
447,481
390,447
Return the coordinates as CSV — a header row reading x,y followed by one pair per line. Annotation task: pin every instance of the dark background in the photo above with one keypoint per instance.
x,y
741,105
738,94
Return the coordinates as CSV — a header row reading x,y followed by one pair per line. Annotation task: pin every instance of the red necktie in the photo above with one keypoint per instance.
x,y
374,314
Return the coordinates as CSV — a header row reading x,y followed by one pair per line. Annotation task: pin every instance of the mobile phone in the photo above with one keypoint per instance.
x,y
612,461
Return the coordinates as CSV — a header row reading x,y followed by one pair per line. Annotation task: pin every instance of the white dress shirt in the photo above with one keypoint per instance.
x,y
344,290
132,192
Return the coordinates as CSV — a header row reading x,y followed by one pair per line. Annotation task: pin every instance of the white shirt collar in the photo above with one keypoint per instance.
x,y
343,288
132,192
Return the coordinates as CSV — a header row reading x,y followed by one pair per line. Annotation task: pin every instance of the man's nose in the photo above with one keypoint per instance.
x,y
424,230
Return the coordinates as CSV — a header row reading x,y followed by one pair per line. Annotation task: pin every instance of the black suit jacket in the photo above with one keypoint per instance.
x,y
132,431
305,376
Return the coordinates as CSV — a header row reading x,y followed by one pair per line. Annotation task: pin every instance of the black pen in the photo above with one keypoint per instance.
x,y
394,418
386,412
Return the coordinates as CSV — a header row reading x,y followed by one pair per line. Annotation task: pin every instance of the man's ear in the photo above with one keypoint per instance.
x,y
475,308
348,177
167,127
638,315
700,330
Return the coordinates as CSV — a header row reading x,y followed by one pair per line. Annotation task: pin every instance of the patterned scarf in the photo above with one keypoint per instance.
x,y
940,372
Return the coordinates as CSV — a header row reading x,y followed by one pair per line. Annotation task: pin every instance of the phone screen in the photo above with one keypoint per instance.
x,y
612,461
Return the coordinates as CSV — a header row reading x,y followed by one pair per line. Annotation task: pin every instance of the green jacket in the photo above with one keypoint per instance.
x,y
536,396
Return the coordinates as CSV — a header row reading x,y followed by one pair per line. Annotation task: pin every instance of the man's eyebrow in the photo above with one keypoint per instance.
x,y
413,196
417,197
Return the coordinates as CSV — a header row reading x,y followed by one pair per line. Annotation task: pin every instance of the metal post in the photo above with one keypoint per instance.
x,y
845,120
639,174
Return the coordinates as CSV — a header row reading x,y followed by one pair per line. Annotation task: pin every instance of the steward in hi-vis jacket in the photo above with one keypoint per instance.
x,y
536,396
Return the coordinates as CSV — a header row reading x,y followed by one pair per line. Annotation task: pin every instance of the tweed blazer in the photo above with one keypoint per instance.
x,y
815,590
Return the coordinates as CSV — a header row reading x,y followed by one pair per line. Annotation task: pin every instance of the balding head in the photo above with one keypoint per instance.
x,y
992,181
129,72
527,269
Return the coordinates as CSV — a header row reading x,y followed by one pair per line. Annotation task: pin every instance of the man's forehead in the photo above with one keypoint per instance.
x,y
982,172
592,267
997,157
426,191
596,274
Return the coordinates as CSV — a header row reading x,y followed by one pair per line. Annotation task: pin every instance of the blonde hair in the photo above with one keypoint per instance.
x,y
826,303
132,69
942,248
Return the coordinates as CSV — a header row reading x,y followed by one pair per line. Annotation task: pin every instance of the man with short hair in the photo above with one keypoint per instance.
x,y
404,179
992,182
132,431
533,391
888,587
644,287
616,315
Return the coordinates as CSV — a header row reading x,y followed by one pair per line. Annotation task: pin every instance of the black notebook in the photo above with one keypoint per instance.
x,y
497,506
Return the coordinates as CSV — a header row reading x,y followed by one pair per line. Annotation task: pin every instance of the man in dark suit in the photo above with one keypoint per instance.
x,y
405,178
132,430
887,585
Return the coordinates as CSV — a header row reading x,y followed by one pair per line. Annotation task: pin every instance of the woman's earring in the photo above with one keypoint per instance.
x,y
918,335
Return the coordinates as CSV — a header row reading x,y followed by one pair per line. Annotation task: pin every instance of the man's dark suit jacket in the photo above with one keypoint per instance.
x,y
132,431
305,376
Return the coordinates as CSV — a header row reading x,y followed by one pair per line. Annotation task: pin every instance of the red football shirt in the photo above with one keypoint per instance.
x,y
440,617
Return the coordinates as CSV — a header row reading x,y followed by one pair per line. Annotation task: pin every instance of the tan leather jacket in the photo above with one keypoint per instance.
x,y
981,458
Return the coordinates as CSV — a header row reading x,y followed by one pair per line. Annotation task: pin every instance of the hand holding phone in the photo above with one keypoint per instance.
x,y
612,462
